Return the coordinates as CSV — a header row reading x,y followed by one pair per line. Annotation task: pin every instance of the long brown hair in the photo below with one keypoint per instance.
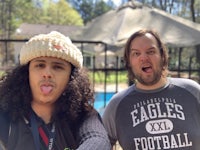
x,y
160,44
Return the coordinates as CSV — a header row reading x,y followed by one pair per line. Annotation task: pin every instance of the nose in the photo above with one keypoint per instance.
x,y
143,57
47,73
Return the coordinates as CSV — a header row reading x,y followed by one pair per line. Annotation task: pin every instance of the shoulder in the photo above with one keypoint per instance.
x,y
118,97
109,114
92,133
4,120
4,117
188,85
184,83
113,103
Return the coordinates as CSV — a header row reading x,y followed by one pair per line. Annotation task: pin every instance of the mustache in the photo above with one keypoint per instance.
x,y
47,82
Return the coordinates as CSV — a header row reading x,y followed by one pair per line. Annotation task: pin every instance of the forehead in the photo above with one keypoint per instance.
x,y
146,40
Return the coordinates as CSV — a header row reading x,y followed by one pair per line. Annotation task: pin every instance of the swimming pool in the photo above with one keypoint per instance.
x,y
101,100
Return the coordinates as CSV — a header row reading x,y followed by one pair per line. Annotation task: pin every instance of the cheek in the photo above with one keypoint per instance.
x,y
32,82
33,79
158,63
62,82
131,61
133,64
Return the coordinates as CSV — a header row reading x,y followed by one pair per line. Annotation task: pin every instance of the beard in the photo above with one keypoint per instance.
x,y
150,79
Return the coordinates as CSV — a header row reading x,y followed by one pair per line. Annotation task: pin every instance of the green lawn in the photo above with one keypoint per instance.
x,y
99,77
1,73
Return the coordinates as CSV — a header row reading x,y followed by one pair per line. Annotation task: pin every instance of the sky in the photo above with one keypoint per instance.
x,y
116,2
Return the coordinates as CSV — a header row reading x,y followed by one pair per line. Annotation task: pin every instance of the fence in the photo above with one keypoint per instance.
x,y
183,63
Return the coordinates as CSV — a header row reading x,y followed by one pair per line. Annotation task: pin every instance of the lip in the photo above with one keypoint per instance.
x,y
46,83
147,68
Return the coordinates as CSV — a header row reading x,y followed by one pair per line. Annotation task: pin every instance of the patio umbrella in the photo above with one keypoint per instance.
x,y
115,26
108,53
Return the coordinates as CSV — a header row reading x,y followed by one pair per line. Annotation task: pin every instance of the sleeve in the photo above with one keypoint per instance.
x,y
92,134
190,85
4,128
109,120
109,115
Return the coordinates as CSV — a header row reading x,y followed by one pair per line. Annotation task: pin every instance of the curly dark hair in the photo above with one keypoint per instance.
x,y
160,44
74,104
72,107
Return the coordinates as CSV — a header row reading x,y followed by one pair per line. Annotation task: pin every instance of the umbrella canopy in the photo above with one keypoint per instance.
x,y
115,26
108,53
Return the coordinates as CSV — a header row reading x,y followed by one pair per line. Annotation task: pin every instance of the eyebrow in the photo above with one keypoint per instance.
x,y
59,63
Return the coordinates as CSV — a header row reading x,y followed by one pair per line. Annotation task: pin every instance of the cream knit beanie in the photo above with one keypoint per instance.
x,y
53,44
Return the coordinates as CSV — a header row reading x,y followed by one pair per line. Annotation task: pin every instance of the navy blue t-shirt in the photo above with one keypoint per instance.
x,y
166,118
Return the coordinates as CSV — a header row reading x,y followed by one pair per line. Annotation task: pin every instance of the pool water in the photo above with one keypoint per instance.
x,y
101,100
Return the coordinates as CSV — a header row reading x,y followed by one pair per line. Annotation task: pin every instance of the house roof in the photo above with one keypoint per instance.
x,y
26,30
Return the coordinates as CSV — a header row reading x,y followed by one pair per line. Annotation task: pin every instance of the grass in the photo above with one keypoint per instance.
x,y
99,77
2,73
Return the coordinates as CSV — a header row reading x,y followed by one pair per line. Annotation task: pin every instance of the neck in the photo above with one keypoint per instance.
x,y
43,111
161,83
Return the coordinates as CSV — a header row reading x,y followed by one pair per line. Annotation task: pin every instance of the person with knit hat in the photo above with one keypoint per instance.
x,y
46,103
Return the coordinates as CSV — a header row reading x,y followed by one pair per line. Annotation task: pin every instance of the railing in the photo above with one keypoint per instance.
x,y
7,45
10,47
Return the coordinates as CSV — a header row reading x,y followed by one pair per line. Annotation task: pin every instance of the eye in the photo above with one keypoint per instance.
x,y
135,53
151,52
39,65
57,67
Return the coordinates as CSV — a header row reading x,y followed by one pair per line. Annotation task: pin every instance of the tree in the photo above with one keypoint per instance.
x,y
90,9
183,8
192,10
10,13
61,13
51,12
15,12
100,8
85,8
197,10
